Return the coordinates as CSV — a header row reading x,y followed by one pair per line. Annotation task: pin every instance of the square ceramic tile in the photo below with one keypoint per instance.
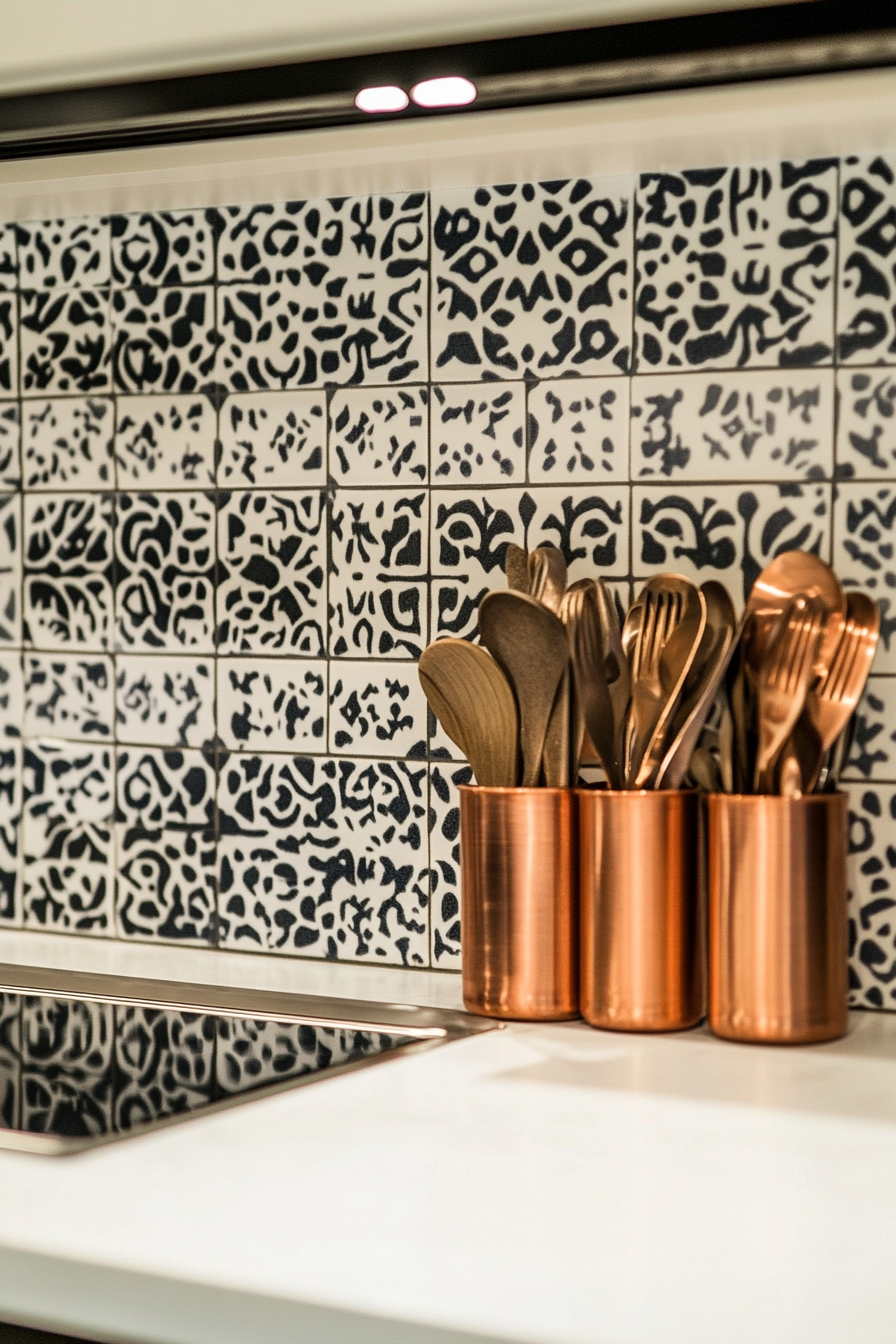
x,y
444,861
532,278
69,696
165,788
866,424
273,438
379,436
63,253
750,425
865,325
378,576
12,700
165,1063
165,442
67,442
9,354
872,896
164,340
377,709
10,469
10,570
164,701
272,704
477,434
470,533
165,885
165,552
68,1064
324,291
170,247
9,260
864,540
736,266
578,430
65,341
726,532
873,754
67,838
350,884
10,793
272,558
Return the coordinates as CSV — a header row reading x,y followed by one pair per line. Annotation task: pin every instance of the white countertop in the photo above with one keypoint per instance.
x,y
538,1183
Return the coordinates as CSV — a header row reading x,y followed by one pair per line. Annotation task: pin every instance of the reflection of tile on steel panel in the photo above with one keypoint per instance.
x,y
164,340
165,441
63,253
865,325
871,868
68,442
10,467
378,559
578,430
863,554
165,1063
735,266
477,433
377,709
745,425
171,247
866,424
534,277
69,696
68,571
726,532
380,436
64,339
272,704
444,861
166,569
68,1065
164,701
873,754
272,572
274,439
471,531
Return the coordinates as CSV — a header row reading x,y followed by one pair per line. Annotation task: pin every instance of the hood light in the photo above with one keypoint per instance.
x,y
449,91
384,98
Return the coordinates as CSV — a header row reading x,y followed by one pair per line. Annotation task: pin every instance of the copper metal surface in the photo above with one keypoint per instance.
x,y
519,929
642,941
777,917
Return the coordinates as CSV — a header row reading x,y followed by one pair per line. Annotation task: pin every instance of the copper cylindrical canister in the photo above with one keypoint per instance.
x,y
642,928
519,924
777,917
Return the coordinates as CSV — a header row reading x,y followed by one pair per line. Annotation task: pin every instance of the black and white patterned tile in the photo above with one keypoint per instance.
x,y
10,437
380,436
64,338
69,696
168,247
873,754
69,871
63,253
68,1065
10,571
863,554
747,425
164,339
444,861
872,896
9,257
166,571
9,344
726,532
477,434
163,701
866,333
274,439
379,551
736,266
866,424
470,533
67,442
377,709
272,704
272,550
579,431
68,570
165,442
165,1063
324,291
533,277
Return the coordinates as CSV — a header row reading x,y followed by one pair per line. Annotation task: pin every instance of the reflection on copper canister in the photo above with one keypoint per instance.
x,y
642,939
519,920
777,917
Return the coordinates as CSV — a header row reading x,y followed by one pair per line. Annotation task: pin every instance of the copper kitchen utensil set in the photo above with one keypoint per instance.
x,y
719,838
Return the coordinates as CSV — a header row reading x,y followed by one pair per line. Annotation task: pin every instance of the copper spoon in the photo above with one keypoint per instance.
x,y
547,576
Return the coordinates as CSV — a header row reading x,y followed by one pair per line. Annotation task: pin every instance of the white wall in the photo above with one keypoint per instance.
x,y
53,43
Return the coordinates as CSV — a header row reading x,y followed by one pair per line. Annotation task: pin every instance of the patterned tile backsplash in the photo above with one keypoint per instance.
x,y
253,459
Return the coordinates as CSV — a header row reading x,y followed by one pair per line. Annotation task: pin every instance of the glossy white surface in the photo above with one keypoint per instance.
x,y
549,1184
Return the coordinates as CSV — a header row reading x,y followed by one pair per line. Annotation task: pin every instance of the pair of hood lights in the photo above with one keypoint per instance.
x,y
448,91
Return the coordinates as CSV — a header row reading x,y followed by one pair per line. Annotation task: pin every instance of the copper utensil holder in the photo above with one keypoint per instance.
x,y
519,922
777,917
640,887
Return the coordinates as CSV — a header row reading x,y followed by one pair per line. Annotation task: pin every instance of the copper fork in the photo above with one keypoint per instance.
x,y
830,704
784,679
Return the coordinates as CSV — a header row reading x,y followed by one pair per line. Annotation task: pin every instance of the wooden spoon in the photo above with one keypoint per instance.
x,y
547,576
516,567
472,700
529,644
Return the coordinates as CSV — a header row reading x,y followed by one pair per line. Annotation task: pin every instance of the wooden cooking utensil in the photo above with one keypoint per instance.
x,y
516,567
556,762
547,576
471,698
